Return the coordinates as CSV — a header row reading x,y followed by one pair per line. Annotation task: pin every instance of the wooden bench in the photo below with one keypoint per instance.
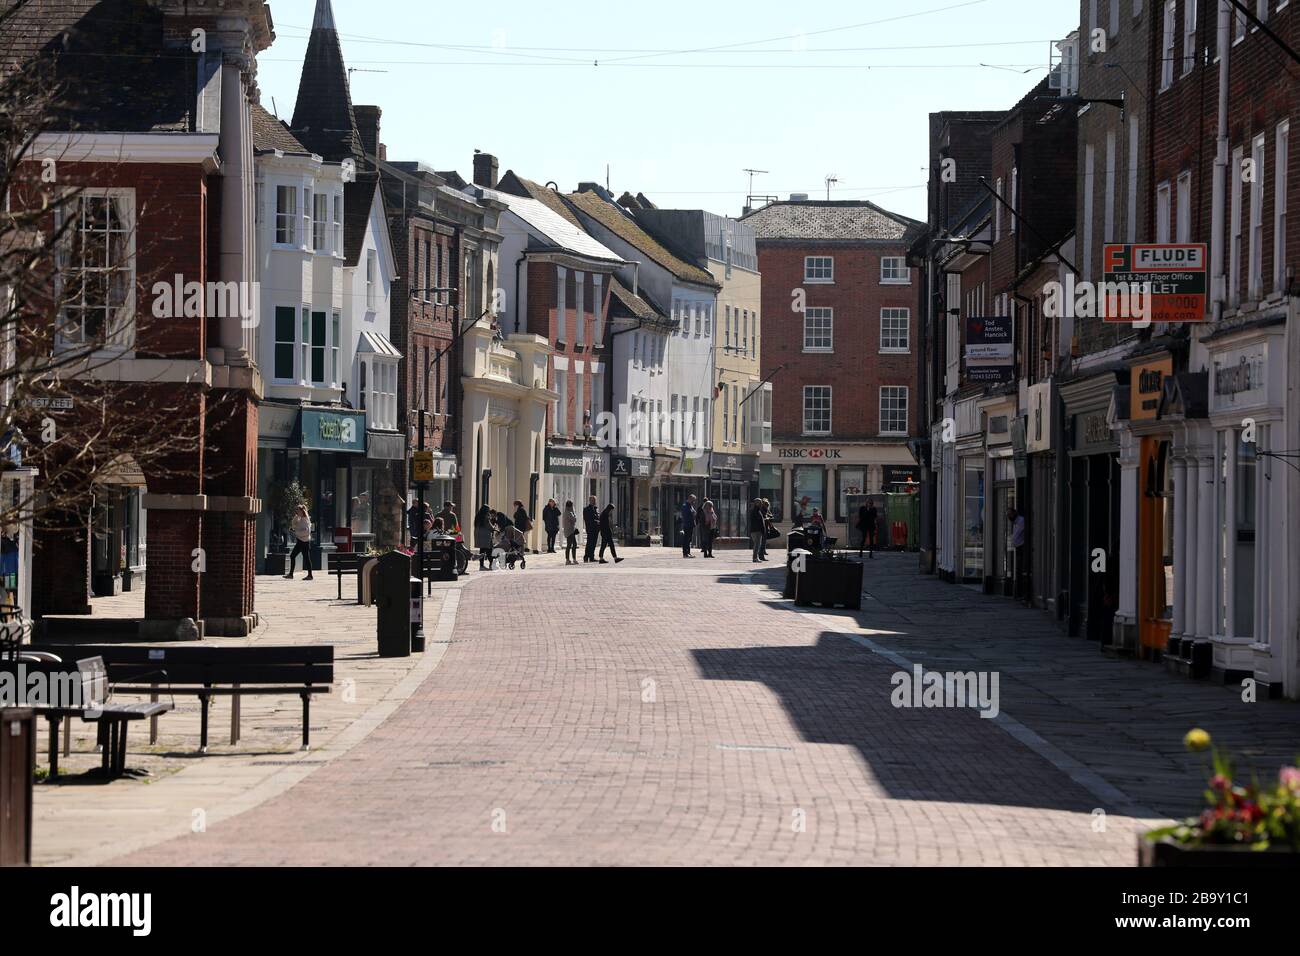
x,y
85,685
207,672
346,562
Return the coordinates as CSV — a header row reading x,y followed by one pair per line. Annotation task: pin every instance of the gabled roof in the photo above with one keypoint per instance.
x,y
378,344
323,118
613,218
270,133
835,220
560,232
624,304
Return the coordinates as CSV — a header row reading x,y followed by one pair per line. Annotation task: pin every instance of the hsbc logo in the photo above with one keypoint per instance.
x,y
810,453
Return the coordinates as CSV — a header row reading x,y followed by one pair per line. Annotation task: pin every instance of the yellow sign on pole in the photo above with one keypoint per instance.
x,y
421,466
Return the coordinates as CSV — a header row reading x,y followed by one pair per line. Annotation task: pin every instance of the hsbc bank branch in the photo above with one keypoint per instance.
x,y
826,475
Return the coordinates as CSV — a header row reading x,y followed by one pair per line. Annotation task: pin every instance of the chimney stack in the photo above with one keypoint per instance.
x,y
368,128
485,170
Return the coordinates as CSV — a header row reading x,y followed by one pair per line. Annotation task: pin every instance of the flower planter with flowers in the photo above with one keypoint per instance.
x,y
1242,824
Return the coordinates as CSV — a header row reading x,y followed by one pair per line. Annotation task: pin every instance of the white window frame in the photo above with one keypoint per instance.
x,y
1189,36
561,303
1234,231
335,332
286,216
905,409
562,406
1183,207
1164,211
1167,46
1108,213
815,334
819,269
372,279
814,393
1255,272
337,226
308,207
292,342
997,211
119,333
580,293
1282,142
319,221
903,276
1130,219
889,340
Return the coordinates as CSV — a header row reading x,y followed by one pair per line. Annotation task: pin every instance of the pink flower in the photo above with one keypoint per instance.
x,y
1290,777
1220,782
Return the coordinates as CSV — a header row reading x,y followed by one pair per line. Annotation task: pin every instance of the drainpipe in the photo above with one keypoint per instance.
x,y
518,286
1219,189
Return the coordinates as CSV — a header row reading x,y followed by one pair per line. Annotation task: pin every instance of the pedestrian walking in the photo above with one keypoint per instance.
x,y
769,529
801,515
483,535
569,521
867,524
591,525
708,527
551,521
301,528
450,520
688,525
606,528
757,530
1017,521
419,518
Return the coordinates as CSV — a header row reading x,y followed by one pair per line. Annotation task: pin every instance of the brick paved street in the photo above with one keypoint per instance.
x,y
673,712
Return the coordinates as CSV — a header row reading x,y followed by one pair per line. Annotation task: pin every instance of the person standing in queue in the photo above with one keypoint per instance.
x,y
607,535
757,529
708,527
569,521
483,535
591,525
551,522
688,516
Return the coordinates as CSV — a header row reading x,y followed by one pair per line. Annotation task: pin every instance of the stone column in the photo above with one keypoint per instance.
x,y
1125,630
1182,482
1206,566
236,172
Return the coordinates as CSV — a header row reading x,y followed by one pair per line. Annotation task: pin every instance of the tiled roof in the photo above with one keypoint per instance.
x,y
617,221
837,220
108,63
634,305
323,118
358,197
559,231
511,182
271,133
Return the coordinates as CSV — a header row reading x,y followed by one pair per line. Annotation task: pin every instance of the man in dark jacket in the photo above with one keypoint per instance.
x,y
867,525
688,526
591,524
521,519
551,521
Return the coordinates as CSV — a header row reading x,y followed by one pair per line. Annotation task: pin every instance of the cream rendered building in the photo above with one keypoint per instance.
x,y
742,419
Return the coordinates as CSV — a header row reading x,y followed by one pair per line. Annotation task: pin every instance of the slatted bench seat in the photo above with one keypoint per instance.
x,y
206,672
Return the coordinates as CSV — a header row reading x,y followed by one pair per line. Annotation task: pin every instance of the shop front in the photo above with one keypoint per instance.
x,y
631,478
322,449
375,506
733,484
676,478
17,485
1000,484
1248,382
564,481
1145,615
1091,486
832,479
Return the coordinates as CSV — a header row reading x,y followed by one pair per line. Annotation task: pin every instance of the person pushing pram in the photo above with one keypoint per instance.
x,y
511,546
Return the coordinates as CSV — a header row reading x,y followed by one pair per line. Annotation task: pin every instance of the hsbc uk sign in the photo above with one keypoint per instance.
x,y
809,453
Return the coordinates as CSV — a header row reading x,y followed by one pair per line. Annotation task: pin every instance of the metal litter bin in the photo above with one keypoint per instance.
x,y
393,589
17,767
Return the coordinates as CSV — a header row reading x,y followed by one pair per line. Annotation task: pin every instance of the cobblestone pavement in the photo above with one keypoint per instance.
x,y
664,711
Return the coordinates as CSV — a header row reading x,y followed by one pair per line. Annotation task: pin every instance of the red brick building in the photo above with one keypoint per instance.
x,y
164,153
839,310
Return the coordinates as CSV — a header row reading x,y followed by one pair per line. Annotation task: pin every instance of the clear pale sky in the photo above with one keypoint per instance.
x,y
678,97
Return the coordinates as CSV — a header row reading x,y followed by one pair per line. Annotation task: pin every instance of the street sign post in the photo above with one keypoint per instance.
x,y
421,466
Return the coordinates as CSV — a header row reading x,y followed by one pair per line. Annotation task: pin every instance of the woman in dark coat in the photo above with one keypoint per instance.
x,y
551,521
483,535
607,535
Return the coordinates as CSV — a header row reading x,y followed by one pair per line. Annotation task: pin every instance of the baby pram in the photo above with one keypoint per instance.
x,y
511,548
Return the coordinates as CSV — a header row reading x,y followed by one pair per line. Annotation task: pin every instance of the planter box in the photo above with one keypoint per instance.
x,y
1168,853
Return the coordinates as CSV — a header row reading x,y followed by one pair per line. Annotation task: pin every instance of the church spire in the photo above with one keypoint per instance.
x,y
323,119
